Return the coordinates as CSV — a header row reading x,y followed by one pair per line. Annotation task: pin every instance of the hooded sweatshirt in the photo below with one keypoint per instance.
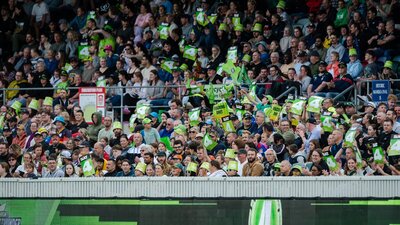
x,y
93,130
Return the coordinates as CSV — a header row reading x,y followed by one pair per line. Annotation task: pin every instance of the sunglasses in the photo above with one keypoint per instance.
x,y
11,160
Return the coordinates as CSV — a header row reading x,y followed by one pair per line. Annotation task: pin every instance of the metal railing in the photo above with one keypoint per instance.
x,y
341,94
198,187
120,107
287,92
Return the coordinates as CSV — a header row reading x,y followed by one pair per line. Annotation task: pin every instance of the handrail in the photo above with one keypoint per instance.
x,y
344,92
287,92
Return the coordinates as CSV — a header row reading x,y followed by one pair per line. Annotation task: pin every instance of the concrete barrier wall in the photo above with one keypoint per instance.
x,y
185,187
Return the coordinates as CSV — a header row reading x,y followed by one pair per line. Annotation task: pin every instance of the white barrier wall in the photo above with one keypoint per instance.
x,y
185,187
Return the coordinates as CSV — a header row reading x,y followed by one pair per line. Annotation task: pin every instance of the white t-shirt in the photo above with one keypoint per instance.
x,y
39,10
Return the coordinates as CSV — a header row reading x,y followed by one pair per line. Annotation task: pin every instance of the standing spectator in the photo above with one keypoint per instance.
x,y
40,17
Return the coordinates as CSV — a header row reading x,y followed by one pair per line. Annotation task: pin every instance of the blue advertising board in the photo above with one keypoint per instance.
x,y
380,90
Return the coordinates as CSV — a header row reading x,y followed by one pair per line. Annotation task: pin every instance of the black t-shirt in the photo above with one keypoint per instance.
x,y
75,127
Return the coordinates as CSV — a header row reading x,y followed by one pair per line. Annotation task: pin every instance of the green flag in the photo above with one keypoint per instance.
x,y
358,157
67,67
91,15
240,111
243,76
326,121
208,142
379,155
314,104
332,164
232,70
101,83
167,143
219,69
190,52
103,43
142,110
163,29
297,107
274,112
210,94
220,110
227,91
349,138
394,146
182,45
167,65
227,124
194,89
83,51
212,18
2,118
87,165
232,54
194,116
236,19
200,17
252,91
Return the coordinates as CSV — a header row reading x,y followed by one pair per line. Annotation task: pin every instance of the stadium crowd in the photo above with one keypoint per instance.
x,y
203,87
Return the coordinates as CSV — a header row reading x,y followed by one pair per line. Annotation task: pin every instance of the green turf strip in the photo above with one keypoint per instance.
x,y
358,203
117,202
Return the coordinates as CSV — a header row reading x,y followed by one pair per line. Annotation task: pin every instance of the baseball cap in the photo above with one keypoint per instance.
x,y
108,47
311,25
370,104
177,157
233,117
43,77
154,114
342,64
248,116
322,63
175,57
65,154
84,144
201,135
146,121
160,154
312,121
178,166
24,111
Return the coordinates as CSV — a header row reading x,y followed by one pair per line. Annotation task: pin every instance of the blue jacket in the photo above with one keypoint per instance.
x,y
355,69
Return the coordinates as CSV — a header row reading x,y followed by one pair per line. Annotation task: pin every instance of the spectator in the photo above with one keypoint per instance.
x,y
52,171
253,167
